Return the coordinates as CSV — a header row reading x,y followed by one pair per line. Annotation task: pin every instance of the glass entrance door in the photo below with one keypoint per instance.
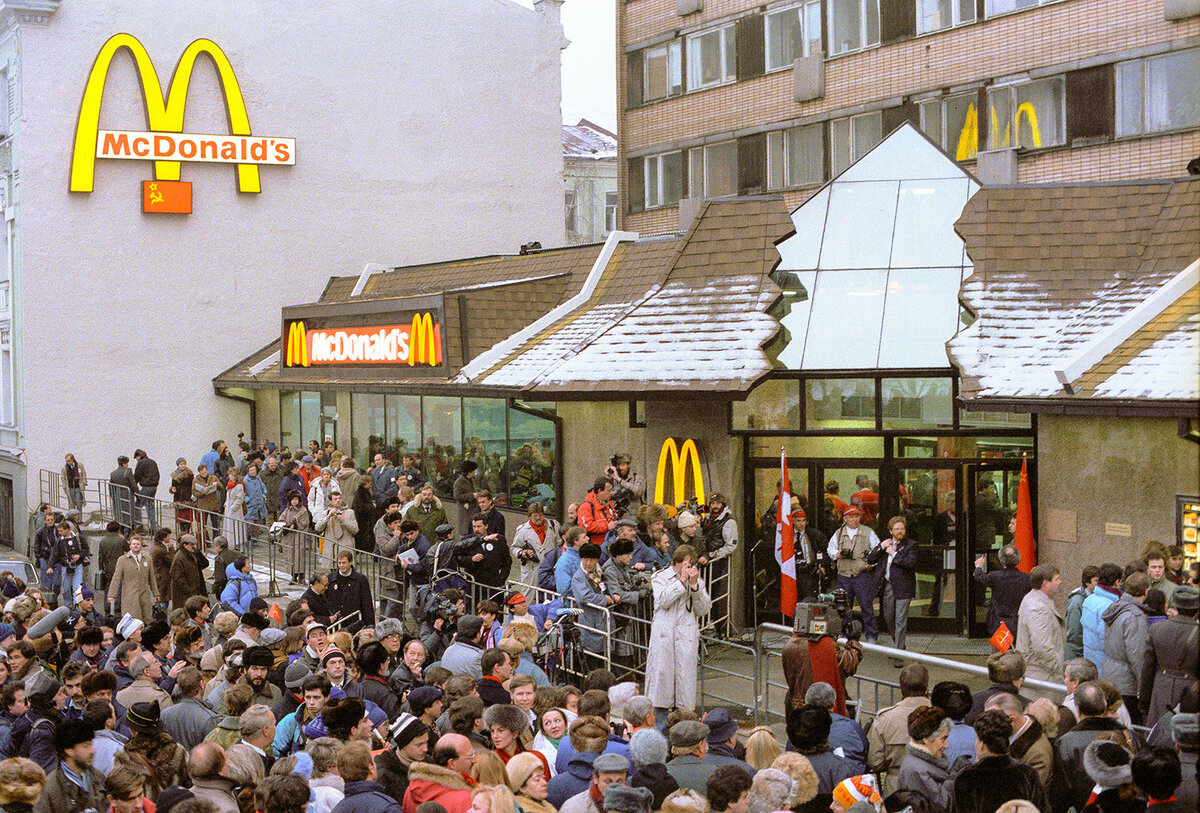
x,y
762,599
992,487
928,500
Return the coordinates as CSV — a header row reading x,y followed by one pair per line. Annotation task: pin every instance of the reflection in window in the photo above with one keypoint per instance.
x,y
529,474
1029,115
925,215
610,212
289,419
864,240
846,315
662,71
310,417
1158,93
995,7
993,420
368,428
796,157
852,138
442,446
711,58
484,434
906,341
953,123
773,404
403,425
713,170
664,179
792,33
913,402
839,403
853,24
934,15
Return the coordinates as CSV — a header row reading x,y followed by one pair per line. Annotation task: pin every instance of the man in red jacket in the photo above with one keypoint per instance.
x,y
596,516
445,779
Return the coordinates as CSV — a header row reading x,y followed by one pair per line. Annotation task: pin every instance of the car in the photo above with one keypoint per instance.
x,y
21,567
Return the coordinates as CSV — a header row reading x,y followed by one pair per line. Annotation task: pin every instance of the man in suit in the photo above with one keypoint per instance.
x,y
812,559
134,582
898,577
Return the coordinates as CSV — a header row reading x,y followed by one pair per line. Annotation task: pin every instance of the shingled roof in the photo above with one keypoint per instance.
x,y
672,314
1085,298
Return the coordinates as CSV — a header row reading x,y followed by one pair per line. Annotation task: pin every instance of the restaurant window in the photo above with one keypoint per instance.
x,y
403,432
484,441
569,209
792,33
934,15
853,25
610,212
711,57
310,418
917,402
796,157
839,403
368,429
953,124
664,179
662,71
773,404
1158,93
713,169
853,137
1029,115
529,473
289,419
441,446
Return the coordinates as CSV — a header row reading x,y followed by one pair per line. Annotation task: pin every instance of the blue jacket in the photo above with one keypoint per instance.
x,y
564,570
256,498
593,623
239,590
575,779
566,752
545,570
287,733
1074,648
367,797
960,743
1093,625
848,735
650,557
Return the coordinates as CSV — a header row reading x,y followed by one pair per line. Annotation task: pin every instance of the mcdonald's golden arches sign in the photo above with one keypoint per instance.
x,y
678,456
418,343
164,142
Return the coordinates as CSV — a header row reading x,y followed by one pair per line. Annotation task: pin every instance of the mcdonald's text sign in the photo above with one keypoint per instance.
x,y
678,455
164,142
417,343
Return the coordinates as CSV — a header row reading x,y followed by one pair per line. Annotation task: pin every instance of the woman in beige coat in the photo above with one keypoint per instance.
x,y
134,582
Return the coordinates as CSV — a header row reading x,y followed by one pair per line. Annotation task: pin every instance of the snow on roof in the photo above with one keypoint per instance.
x,y
588,140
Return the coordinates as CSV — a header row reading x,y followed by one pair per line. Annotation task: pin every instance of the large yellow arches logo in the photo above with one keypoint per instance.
x,y
968,137
297,345
164,119
418,343
678,455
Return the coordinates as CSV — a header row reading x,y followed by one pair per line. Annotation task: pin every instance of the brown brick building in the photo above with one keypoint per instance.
x,y
724,97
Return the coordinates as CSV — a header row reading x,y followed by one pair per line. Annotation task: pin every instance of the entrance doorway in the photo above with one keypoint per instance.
x,y
993,487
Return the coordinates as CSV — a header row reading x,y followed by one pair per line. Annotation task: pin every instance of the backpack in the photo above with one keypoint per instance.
x,y
18,746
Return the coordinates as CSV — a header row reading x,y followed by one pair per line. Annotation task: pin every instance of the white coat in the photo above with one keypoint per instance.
x,y
526,537
675,640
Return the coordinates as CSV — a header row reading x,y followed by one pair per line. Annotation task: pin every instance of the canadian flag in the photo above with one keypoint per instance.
x,y
785,544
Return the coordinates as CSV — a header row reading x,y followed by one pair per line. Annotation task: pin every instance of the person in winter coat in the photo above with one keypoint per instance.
x,y
680,601
924,769
533,540
995,778
224,558
134,581
631,585
596,515
272,477
240,586
234,525
592,596
335,522
427,512
256,496
1008,585
897,560
187,578
887,740
409,744
1172,655
444,779
71,555
33,733
73,744
1106,591
1074,645
297,521
206,492
1125,635
1041,636
74,480
349,592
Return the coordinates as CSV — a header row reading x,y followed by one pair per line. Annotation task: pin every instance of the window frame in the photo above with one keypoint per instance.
x,y
571,211
673,50
727,32
1011,90
1143,66
955,9
658,159
611,202
802,9
865,40
854,153
698,169
989,12
784,143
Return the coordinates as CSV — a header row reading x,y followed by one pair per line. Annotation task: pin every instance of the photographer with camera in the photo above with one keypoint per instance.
x,y
596,514
533,540
850,546
629,488
812,560
680,600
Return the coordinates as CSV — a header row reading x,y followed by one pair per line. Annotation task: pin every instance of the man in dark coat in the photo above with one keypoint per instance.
x,y
996,778
1008,586
317,598
74,784
812,559
186,579
464,495
372,661
162,553
122,488
349,592
1092,706
896,558
486,553
363,793
410,743
1007,672
112,547
1171,656
145,474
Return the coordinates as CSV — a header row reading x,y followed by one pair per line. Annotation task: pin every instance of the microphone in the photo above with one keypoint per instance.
x,y
48,623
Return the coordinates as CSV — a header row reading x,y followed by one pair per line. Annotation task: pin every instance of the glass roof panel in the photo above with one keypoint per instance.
x,y
795,322
802,249
920,314
858,231
903,155
925,216
847,311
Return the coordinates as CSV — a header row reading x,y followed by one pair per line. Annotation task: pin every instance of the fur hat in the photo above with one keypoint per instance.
x,y
656,779
70,733
626,799
687,734
1108,764
87,635
294,675
386,627
225,622
344,714
254,620
23,607
506,716
257,656
527,634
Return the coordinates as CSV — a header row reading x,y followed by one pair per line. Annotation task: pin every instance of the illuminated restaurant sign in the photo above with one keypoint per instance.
x,y
361,336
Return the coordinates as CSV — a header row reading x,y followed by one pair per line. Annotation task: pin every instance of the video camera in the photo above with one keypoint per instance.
x,y
827,614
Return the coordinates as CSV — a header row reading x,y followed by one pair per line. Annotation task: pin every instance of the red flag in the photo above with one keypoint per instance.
x,y
1023,536
785,547
167,197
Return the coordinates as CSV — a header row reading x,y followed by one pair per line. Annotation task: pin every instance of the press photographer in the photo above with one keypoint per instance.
x,y
629,488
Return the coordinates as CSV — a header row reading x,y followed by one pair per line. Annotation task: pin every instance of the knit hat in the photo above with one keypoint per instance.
x,y
469,626
687,734
626,799
1108,764
720,726
128,625
145,718
685,519
272,638
316,729
7,630
521,767
258,604
84,593
856,789
332,652
422,697
211,661
404,729
304,764
386,627
506,716
610,763
10,589
257,656
295,674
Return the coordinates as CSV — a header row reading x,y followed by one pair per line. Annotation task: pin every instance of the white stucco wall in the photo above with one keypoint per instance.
x,y
424,131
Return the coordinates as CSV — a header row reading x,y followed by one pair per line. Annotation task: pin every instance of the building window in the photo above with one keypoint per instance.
x,y
664,179
995,7
569,204
934,15
711,57
853,137
853,25
1158,93
610,212
662,71
1029,115
8,415
713,170
792,33
796,157
953,123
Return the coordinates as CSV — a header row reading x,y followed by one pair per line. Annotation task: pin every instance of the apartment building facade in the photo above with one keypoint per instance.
x,y
731,97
